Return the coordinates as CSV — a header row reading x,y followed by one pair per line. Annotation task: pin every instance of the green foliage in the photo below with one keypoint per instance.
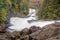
x,y
8,2
50,9
20,6
17,6
2,15
24,7
3,11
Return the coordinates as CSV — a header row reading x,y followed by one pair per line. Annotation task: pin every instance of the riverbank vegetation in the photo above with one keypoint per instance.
x,y
14,7
49,10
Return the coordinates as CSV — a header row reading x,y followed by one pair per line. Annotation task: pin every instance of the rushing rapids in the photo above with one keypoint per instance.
x,y
21,23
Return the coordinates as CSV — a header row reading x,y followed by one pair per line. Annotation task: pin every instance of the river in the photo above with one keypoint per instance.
x,y
20,23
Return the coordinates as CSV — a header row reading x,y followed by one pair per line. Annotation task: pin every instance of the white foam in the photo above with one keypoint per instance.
x,y
21,23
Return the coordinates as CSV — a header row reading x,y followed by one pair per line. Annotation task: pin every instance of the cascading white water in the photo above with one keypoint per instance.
x,y
21,23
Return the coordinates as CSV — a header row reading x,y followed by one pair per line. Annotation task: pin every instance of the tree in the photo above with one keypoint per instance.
x,y
3,11
50,9
16,6
24,6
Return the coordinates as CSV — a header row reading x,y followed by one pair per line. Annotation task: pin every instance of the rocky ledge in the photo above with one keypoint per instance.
x,y
49,32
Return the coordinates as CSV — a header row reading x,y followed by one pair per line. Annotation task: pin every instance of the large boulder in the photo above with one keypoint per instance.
x,y
34,35
34,29
46,32
15,35
10,36
24,32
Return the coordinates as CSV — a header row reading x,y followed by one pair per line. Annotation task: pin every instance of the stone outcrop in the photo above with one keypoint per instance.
x,y
49,32
24,32
34,29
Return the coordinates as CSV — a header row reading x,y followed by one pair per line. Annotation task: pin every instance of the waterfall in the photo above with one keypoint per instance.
x,y
20,23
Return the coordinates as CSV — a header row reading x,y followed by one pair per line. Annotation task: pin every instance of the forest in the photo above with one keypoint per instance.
x,y
50,9
12,6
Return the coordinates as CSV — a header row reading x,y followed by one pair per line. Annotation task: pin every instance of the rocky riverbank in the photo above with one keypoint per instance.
x,y
49,32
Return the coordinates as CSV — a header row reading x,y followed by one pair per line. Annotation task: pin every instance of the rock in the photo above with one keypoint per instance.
x,y
57,37
57,24
46,32
25,37
2,29
10,36
4,36
34,35
15,35
24,32
33,29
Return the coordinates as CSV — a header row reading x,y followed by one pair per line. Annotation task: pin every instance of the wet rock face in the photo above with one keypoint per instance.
x,y
27,31
24,32
33,29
